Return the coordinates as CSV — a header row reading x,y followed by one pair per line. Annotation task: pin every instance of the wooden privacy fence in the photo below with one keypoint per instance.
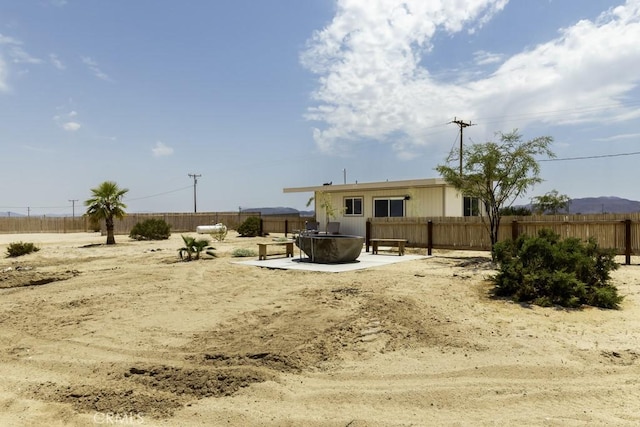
x,y
620,232
179,222
11,225
187,222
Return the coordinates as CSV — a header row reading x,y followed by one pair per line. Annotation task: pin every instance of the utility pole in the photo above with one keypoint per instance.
x,y
73,207
195,182
462,125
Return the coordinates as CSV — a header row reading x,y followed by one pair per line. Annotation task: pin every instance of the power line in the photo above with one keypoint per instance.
x,y
159,194
591,157
126,198
34,207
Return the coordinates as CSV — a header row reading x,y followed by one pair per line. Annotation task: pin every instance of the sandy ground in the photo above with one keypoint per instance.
x,y
128,335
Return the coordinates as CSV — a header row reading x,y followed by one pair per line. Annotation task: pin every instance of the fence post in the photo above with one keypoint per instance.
x,y
261,227
429,237
286,227
514,230
367,235
627,241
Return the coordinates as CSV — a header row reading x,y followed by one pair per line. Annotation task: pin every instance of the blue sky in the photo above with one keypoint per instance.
x,y
256,96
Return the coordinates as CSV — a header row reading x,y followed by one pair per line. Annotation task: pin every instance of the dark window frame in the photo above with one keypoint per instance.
x,y
393,203
470,206
353,199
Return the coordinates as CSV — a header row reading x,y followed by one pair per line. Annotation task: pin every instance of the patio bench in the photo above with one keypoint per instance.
x,y
262,248
400,243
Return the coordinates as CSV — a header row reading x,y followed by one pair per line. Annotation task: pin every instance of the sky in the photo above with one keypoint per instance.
x,y
255,96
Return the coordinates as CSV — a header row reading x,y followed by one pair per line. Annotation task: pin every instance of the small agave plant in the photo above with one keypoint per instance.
x,y
193,247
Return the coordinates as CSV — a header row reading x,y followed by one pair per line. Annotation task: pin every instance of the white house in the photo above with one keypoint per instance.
x,y
354,203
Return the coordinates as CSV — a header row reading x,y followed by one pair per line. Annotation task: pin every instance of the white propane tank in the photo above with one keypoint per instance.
x,y
208,229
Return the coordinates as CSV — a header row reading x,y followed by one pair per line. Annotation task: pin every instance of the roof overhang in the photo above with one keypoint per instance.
x,y
385,185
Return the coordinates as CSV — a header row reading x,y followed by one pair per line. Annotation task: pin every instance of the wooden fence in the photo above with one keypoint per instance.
x,y
11,225
615,231
620,232
179,222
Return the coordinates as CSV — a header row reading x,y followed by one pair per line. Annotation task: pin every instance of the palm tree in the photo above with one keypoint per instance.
x,y
193,247
106,204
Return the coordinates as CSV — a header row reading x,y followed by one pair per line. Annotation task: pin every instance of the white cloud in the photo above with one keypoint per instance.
x,y
482,57
20,56
619,137
15,51
71,126
6,40
93,67
374,84
56,61
4,74
11,51
67,121
161,150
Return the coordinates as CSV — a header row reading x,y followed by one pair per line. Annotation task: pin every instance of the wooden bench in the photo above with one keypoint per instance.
x,y
388,242
262,248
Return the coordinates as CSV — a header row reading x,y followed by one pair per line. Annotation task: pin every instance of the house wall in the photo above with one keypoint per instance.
x,y
454,202
423,202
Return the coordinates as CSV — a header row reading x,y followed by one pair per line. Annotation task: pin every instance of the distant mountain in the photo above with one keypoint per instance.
x,y
598,205
278,211
10,214
593,205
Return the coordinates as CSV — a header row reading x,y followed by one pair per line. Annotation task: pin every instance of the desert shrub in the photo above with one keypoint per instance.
x,y
193,247
16,249
151,229
241,252
250,227
546,270
94,224
220,233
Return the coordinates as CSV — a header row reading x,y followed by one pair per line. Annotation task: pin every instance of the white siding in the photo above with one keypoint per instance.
x,y
423,201
454,202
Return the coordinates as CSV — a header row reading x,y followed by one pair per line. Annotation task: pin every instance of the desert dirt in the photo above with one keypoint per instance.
x,y
129,335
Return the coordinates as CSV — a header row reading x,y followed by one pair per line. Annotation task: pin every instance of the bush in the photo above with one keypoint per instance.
x,y
19,248
241,253
151,229
220,232
547,271
193,247
250,227
94,224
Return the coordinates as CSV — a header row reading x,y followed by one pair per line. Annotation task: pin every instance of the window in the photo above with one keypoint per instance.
x,y
353,206
392,206
471,206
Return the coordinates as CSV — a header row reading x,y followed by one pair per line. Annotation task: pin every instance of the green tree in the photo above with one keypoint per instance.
x,y
497,173
325,202
106,203
550,203
515,211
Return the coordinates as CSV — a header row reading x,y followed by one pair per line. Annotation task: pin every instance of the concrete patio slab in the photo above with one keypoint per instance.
x,y
365,260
